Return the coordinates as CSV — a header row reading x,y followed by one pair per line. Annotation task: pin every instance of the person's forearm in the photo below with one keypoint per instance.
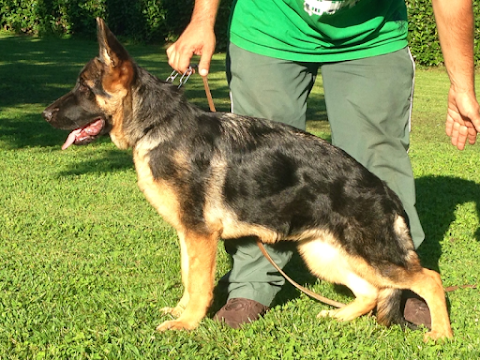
x,y
455,26
205,12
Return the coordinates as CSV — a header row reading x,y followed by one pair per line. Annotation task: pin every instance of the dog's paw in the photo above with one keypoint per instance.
x,y
327,313
175,311
176,325
437,335
337,314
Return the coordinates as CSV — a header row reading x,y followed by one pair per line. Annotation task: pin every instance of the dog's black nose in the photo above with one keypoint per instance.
x,y
48,114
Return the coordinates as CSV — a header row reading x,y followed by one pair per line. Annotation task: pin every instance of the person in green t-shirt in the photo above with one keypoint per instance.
x,y
360,47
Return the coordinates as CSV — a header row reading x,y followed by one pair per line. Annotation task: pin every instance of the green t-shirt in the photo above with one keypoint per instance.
x,y
319,30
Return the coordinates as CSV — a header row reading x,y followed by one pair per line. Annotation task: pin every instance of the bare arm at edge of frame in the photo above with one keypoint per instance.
x,y
455,25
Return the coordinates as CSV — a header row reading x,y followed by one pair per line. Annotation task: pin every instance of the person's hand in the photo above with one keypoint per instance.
x,y
463,118
197,39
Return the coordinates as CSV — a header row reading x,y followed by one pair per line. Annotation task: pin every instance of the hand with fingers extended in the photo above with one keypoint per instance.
x,y
463,118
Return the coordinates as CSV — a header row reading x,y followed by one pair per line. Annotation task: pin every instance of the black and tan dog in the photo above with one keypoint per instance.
x,y
220,175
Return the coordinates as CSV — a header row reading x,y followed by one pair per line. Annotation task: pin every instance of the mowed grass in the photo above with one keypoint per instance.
x,y
86,263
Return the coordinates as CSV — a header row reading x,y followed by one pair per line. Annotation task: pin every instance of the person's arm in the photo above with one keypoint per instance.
x,y
455,26
197,39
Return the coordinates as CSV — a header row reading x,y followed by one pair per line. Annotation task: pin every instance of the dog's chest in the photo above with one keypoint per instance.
x,y
161,195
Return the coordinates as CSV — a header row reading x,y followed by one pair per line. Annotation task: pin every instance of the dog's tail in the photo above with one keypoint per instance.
x,y
389,308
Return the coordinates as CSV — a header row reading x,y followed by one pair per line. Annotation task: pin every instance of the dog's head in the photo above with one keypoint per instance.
x,y
96,105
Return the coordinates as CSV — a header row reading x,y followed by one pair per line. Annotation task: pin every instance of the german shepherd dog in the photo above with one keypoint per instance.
x,y
221,175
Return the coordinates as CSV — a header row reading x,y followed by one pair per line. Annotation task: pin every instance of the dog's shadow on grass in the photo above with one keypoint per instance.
x,y
437,199
111,161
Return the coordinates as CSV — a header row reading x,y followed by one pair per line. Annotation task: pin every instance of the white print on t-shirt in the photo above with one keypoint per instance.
x,y
326,7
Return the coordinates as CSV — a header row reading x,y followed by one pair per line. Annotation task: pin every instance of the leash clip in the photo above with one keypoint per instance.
x,y
184,78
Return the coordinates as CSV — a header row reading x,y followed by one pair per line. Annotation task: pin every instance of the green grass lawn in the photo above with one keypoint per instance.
x,y
86,263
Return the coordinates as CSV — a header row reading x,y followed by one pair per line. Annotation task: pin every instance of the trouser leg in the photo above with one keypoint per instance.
x,y
369,106
277,90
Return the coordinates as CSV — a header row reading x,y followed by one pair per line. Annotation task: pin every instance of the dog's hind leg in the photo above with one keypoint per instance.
x,y
200,252
329,262
365,300
428,285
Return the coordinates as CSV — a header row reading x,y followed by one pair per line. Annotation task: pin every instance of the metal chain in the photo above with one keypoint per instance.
x,y
184,78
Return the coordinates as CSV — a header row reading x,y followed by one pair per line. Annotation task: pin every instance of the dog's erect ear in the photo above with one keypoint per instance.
x,y
112,53
119,65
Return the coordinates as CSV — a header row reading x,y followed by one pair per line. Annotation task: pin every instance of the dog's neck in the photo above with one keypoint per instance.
x,y
167,104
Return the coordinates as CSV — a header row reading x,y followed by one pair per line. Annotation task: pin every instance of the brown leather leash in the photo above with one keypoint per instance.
x,y
298,286
209,94
308,292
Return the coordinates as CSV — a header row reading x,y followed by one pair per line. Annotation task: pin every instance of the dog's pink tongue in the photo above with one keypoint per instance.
x,y
94,128
71,138
81,135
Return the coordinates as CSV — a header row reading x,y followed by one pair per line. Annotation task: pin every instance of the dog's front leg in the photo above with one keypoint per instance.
x,y
198,253
182,304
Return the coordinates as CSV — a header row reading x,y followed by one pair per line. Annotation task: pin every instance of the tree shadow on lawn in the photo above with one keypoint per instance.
x,y
35,72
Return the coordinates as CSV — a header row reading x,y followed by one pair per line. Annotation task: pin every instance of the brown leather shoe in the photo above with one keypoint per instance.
x,y
416,310
240,311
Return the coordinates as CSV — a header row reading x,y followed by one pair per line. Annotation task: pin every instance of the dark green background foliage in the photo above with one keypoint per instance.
x,y
423,35
155,21
159,21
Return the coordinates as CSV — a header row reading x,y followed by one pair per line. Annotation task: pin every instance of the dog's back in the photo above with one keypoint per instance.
x,y
279,178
